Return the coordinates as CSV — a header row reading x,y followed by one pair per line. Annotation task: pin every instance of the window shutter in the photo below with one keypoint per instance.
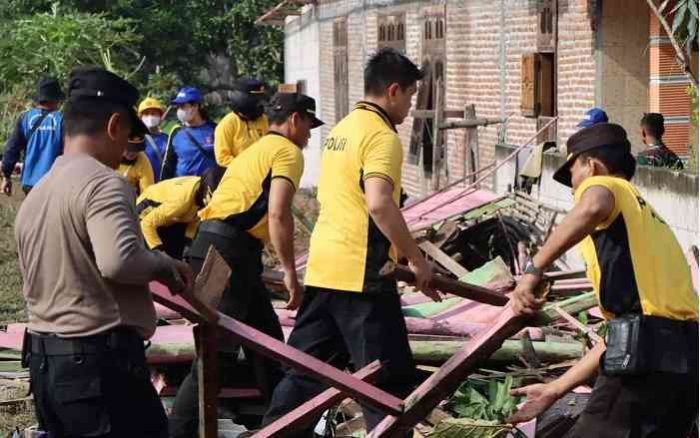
x,y
528,85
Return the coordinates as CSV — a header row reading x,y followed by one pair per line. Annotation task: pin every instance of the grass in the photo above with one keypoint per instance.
x,y
12,307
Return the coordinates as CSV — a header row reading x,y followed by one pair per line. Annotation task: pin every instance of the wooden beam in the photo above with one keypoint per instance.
x,y
208,381
448,262
448,378
270,347
456,124
307,412
447,285
430,114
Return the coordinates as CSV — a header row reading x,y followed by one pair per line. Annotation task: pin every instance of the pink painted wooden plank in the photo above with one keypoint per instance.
x,y
272,348
302,415
164,313
425,213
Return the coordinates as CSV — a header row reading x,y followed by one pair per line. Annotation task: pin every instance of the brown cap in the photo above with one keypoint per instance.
x,y
595,136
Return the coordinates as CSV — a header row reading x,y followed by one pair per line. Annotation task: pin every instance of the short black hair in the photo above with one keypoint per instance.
x,y
279,117
616,158
654,123
389,66
89,116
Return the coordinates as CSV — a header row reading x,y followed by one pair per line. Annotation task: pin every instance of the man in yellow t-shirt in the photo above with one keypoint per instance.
x,y
350,312
250,207
643,285
135,167
245,125
168,210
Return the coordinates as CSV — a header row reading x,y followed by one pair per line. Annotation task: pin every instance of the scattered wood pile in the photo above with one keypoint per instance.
x,y
477,239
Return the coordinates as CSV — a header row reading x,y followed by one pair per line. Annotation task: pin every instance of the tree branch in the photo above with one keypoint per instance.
x,y
681,55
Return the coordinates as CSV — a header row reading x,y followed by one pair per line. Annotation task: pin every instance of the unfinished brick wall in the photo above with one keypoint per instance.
x,y
479,36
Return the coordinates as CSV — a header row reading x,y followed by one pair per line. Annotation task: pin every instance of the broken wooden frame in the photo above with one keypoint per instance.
x,y
400,415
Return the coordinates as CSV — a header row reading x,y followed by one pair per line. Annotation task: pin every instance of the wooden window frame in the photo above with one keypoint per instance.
x,y
340,68
391,31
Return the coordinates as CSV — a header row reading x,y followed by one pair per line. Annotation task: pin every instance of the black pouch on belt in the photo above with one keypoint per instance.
x,y
626,354
26,349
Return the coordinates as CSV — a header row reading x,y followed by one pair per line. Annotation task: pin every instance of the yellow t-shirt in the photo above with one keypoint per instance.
x,y
138,173
166,203
241,199
634,260
234,134
347,249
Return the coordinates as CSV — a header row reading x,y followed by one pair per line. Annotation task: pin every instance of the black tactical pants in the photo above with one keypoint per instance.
x,y
97,386
245,299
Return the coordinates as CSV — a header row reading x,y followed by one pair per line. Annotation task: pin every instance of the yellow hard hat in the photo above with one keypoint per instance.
x,y
150,103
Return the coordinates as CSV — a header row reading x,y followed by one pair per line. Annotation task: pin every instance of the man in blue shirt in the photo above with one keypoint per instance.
x,y
190,148
39,133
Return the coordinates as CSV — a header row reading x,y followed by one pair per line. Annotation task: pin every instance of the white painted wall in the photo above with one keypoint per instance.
x,y
673,195
301,62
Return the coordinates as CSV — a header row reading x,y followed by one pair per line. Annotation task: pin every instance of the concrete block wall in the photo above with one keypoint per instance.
x,y
674,195
625,65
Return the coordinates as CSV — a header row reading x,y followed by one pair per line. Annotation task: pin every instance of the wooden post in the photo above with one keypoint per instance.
x,y
437,134
471,143
207,379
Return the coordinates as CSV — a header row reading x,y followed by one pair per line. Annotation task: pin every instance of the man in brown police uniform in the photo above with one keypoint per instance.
x,y
86,272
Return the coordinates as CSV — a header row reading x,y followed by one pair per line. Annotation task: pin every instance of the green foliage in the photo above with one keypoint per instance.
x,y
52,43
490,400
685,21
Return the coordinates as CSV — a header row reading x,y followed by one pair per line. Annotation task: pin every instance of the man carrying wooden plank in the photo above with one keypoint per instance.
x,y
250,207
351,313
648,371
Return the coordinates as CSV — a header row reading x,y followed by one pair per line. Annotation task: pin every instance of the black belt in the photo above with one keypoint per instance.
x,y
116,339
221,228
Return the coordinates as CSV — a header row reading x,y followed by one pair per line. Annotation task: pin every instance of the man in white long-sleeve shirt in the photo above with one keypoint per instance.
x,y
86,272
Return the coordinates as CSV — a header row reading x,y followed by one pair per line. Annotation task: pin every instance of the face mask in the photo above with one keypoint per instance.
x,y
151,121
183,115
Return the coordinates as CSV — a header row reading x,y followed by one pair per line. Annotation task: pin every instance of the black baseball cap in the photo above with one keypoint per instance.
x,y
250,86
289,103
593,137
96,82
48,90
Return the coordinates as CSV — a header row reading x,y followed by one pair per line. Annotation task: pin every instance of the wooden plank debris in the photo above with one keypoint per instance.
x,y
303,414
447,285
443,259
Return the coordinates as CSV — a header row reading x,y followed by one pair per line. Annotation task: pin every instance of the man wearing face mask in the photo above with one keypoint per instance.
x,y
151,112
245,125
190,148
250,207
86,271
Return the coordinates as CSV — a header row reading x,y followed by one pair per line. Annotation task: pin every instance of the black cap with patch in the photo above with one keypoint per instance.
x,y
595,136
289,103
98,83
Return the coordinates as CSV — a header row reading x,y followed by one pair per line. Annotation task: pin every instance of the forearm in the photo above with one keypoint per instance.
x,y
149,229
11,155
281,227
223,154
391,223
581,372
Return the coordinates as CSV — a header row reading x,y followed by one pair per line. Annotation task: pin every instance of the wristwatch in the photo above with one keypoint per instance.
x,y
531,269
